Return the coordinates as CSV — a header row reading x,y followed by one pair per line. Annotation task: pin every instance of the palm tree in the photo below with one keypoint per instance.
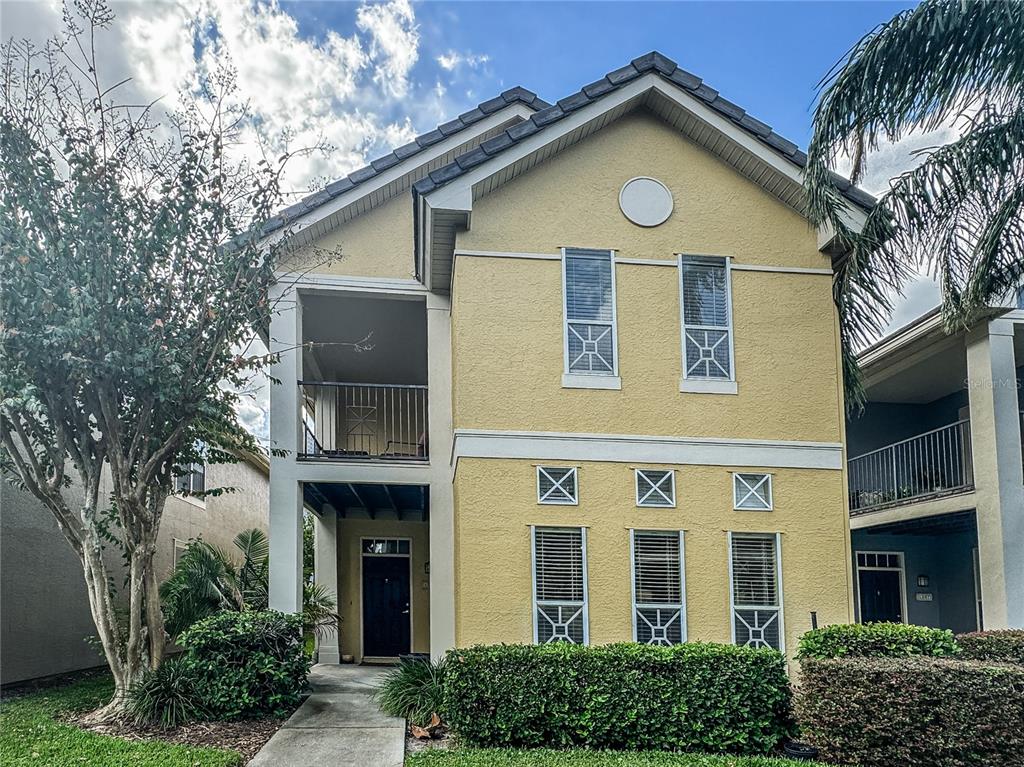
x,y
206,580
959,215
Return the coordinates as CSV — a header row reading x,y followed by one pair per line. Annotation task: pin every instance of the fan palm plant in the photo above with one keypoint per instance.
x,y
959,215
207,580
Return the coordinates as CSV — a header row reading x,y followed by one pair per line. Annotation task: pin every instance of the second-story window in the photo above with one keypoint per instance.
x,y
704,288
194,481
590,333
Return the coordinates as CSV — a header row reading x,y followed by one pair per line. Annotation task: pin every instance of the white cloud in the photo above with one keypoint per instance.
x,y
394,42
452,60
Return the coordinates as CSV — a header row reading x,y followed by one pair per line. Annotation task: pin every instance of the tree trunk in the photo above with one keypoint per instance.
x,y
135,643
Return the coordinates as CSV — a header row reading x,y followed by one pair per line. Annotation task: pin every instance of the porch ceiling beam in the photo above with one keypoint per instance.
x,y
391,500
362,501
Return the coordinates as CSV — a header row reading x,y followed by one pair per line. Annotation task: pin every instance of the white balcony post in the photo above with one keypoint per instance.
x,y
325,573
442,503
285,489
996,451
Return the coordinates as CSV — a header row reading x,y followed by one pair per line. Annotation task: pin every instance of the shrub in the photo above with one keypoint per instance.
x,y
693,696
876,640
1005,646
247,664
413,689
918,712
166,696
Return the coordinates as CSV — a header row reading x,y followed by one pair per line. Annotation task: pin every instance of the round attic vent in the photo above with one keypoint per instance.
x,y
645,201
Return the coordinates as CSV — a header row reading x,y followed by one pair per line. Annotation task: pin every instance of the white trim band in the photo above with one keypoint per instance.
x,y
509,254
625,448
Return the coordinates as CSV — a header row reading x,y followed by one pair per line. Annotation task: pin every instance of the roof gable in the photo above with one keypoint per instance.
x,y
410,155
654,63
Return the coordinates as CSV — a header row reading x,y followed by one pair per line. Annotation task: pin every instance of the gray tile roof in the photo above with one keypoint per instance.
x,y
357,177
650,62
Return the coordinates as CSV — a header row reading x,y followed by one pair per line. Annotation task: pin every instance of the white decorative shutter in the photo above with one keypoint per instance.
x,y
658,592
560,591
556,485
752,492
755,590
655,488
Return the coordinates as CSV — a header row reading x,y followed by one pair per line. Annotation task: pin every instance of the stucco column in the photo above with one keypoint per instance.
x,y
285,489
325,573
442,505
996,448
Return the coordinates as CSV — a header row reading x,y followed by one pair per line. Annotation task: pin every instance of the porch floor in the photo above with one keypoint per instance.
x,y
338,725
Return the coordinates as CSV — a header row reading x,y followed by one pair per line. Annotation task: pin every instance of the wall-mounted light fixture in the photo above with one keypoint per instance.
x,y
922,581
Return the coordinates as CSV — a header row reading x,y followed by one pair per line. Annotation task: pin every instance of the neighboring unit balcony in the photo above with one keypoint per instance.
x,y
363,422
926,466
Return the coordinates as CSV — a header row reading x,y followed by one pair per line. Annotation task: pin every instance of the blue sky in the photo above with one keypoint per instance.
x,y
767,57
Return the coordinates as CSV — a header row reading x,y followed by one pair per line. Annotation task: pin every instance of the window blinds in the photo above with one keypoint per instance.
x,y
658,596
589,312
559,585
755,589
707,333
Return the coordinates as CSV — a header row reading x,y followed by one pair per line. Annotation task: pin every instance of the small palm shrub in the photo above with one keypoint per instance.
x,y
166,697
413,689
876,640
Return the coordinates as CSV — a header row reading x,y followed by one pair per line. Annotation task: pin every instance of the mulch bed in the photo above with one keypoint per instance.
x,y
414,745
245,736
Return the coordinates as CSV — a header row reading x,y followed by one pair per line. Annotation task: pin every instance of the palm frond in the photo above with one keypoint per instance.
x,y
319,610
916,71
958,216
204,582
254,574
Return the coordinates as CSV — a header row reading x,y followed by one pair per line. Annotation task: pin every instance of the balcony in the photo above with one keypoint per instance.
x,y
361,422
929,465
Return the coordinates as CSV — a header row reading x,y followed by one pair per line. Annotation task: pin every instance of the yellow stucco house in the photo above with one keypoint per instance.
x,y
565,372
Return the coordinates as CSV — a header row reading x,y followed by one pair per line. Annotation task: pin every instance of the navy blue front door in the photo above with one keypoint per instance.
x,y
386,625
881,597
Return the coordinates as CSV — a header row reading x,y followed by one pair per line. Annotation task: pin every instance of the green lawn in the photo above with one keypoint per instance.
x,y
29,735
489,757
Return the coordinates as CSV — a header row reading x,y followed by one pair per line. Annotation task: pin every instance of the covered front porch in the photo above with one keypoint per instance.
x,y
372,549
923,571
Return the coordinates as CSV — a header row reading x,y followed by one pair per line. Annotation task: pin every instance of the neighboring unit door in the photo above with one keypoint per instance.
x,y
881,597
386,622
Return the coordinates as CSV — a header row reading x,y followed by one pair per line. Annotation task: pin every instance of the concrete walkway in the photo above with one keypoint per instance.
x,y
338,725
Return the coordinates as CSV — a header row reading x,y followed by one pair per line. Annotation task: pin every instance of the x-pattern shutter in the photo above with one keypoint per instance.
x,y
560,589
752,491
707,341
556,485
589,312
655,488
756,599
658,592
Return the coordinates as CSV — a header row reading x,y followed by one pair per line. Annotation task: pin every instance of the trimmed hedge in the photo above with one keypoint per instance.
x,y
695,696
876,640
1005,646
917,712
246,664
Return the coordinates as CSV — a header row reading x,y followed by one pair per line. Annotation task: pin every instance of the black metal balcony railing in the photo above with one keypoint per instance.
x,y
350,421
928,465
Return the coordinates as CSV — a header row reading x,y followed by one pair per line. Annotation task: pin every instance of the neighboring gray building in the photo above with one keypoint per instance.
x,y
936,478
44,611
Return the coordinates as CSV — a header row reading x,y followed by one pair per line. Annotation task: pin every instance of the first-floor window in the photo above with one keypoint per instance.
x,y
560,585
192,481
659,594
756,573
